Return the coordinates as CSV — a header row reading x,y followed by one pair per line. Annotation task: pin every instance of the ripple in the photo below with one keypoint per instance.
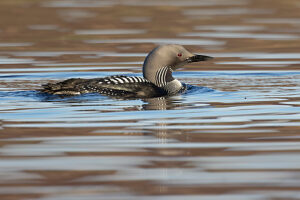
x,y
43,27
59,146
94,3
159,41
225,11
136,19
110,32
97,63
57,69
264,36
261,63
7,61
23,44
75,15
61,53
77,4
227,28
275,20
258,55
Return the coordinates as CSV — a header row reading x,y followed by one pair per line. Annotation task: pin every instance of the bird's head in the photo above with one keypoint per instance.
x,y
163,60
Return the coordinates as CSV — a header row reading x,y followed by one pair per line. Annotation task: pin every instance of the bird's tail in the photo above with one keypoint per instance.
x,y
67,87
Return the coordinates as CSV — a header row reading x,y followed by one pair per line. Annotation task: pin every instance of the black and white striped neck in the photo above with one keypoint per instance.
x,y
165,80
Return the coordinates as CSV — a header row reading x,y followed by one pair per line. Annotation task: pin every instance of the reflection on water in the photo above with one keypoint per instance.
x,y
95,3
262,63
226,11
245,35
24,44
186,142
222,28
160,41
233,135
275,21
7,61
43,27
110,32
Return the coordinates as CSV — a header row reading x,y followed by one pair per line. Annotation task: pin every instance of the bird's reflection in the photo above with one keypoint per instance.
x,y
162,103
157,103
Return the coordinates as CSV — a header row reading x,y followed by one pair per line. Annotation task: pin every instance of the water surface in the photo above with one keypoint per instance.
x,y
233,135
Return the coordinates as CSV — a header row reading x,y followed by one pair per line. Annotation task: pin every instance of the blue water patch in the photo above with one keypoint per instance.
x,y
198,104
76,98
197,74
179,74
57,75
7,95
194,90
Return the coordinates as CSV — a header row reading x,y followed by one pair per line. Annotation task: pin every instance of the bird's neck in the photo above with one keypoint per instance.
x,y
173,86
163,78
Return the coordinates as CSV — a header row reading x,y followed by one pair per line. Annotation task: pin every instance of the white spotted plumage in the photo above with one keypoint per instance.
x,y
119,80
122,80
125,79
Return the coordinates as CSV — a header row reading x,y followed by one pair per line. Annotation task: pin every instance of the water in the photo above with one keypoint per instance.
x,y
233,135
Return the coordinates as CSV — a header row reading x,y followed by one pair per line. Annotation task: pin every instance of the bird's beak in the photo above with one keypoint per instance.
x,y
193,58
198,58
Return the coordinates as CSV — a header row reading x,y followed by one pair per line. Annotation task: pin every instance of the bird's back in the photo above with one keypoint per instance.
x,y
117,86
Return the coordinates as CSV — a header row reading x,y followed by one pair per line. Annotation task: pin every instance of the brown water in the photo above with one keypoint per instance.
x,y
234,135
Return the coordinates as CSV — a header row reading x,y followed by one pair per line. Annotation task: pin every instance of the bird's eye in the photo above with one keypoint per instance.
x,y
179,54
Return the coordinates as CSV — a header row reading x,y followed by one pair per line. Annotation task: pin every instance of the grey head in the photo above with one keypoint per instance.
x,y
163,60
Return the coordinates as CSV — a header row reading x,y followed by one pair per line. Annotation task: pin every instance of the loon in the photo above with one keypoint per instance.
x,y
157,81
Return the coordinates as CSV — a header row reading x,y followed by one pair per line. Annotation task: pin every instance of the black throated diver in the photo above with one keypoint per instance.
x,y
157,81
